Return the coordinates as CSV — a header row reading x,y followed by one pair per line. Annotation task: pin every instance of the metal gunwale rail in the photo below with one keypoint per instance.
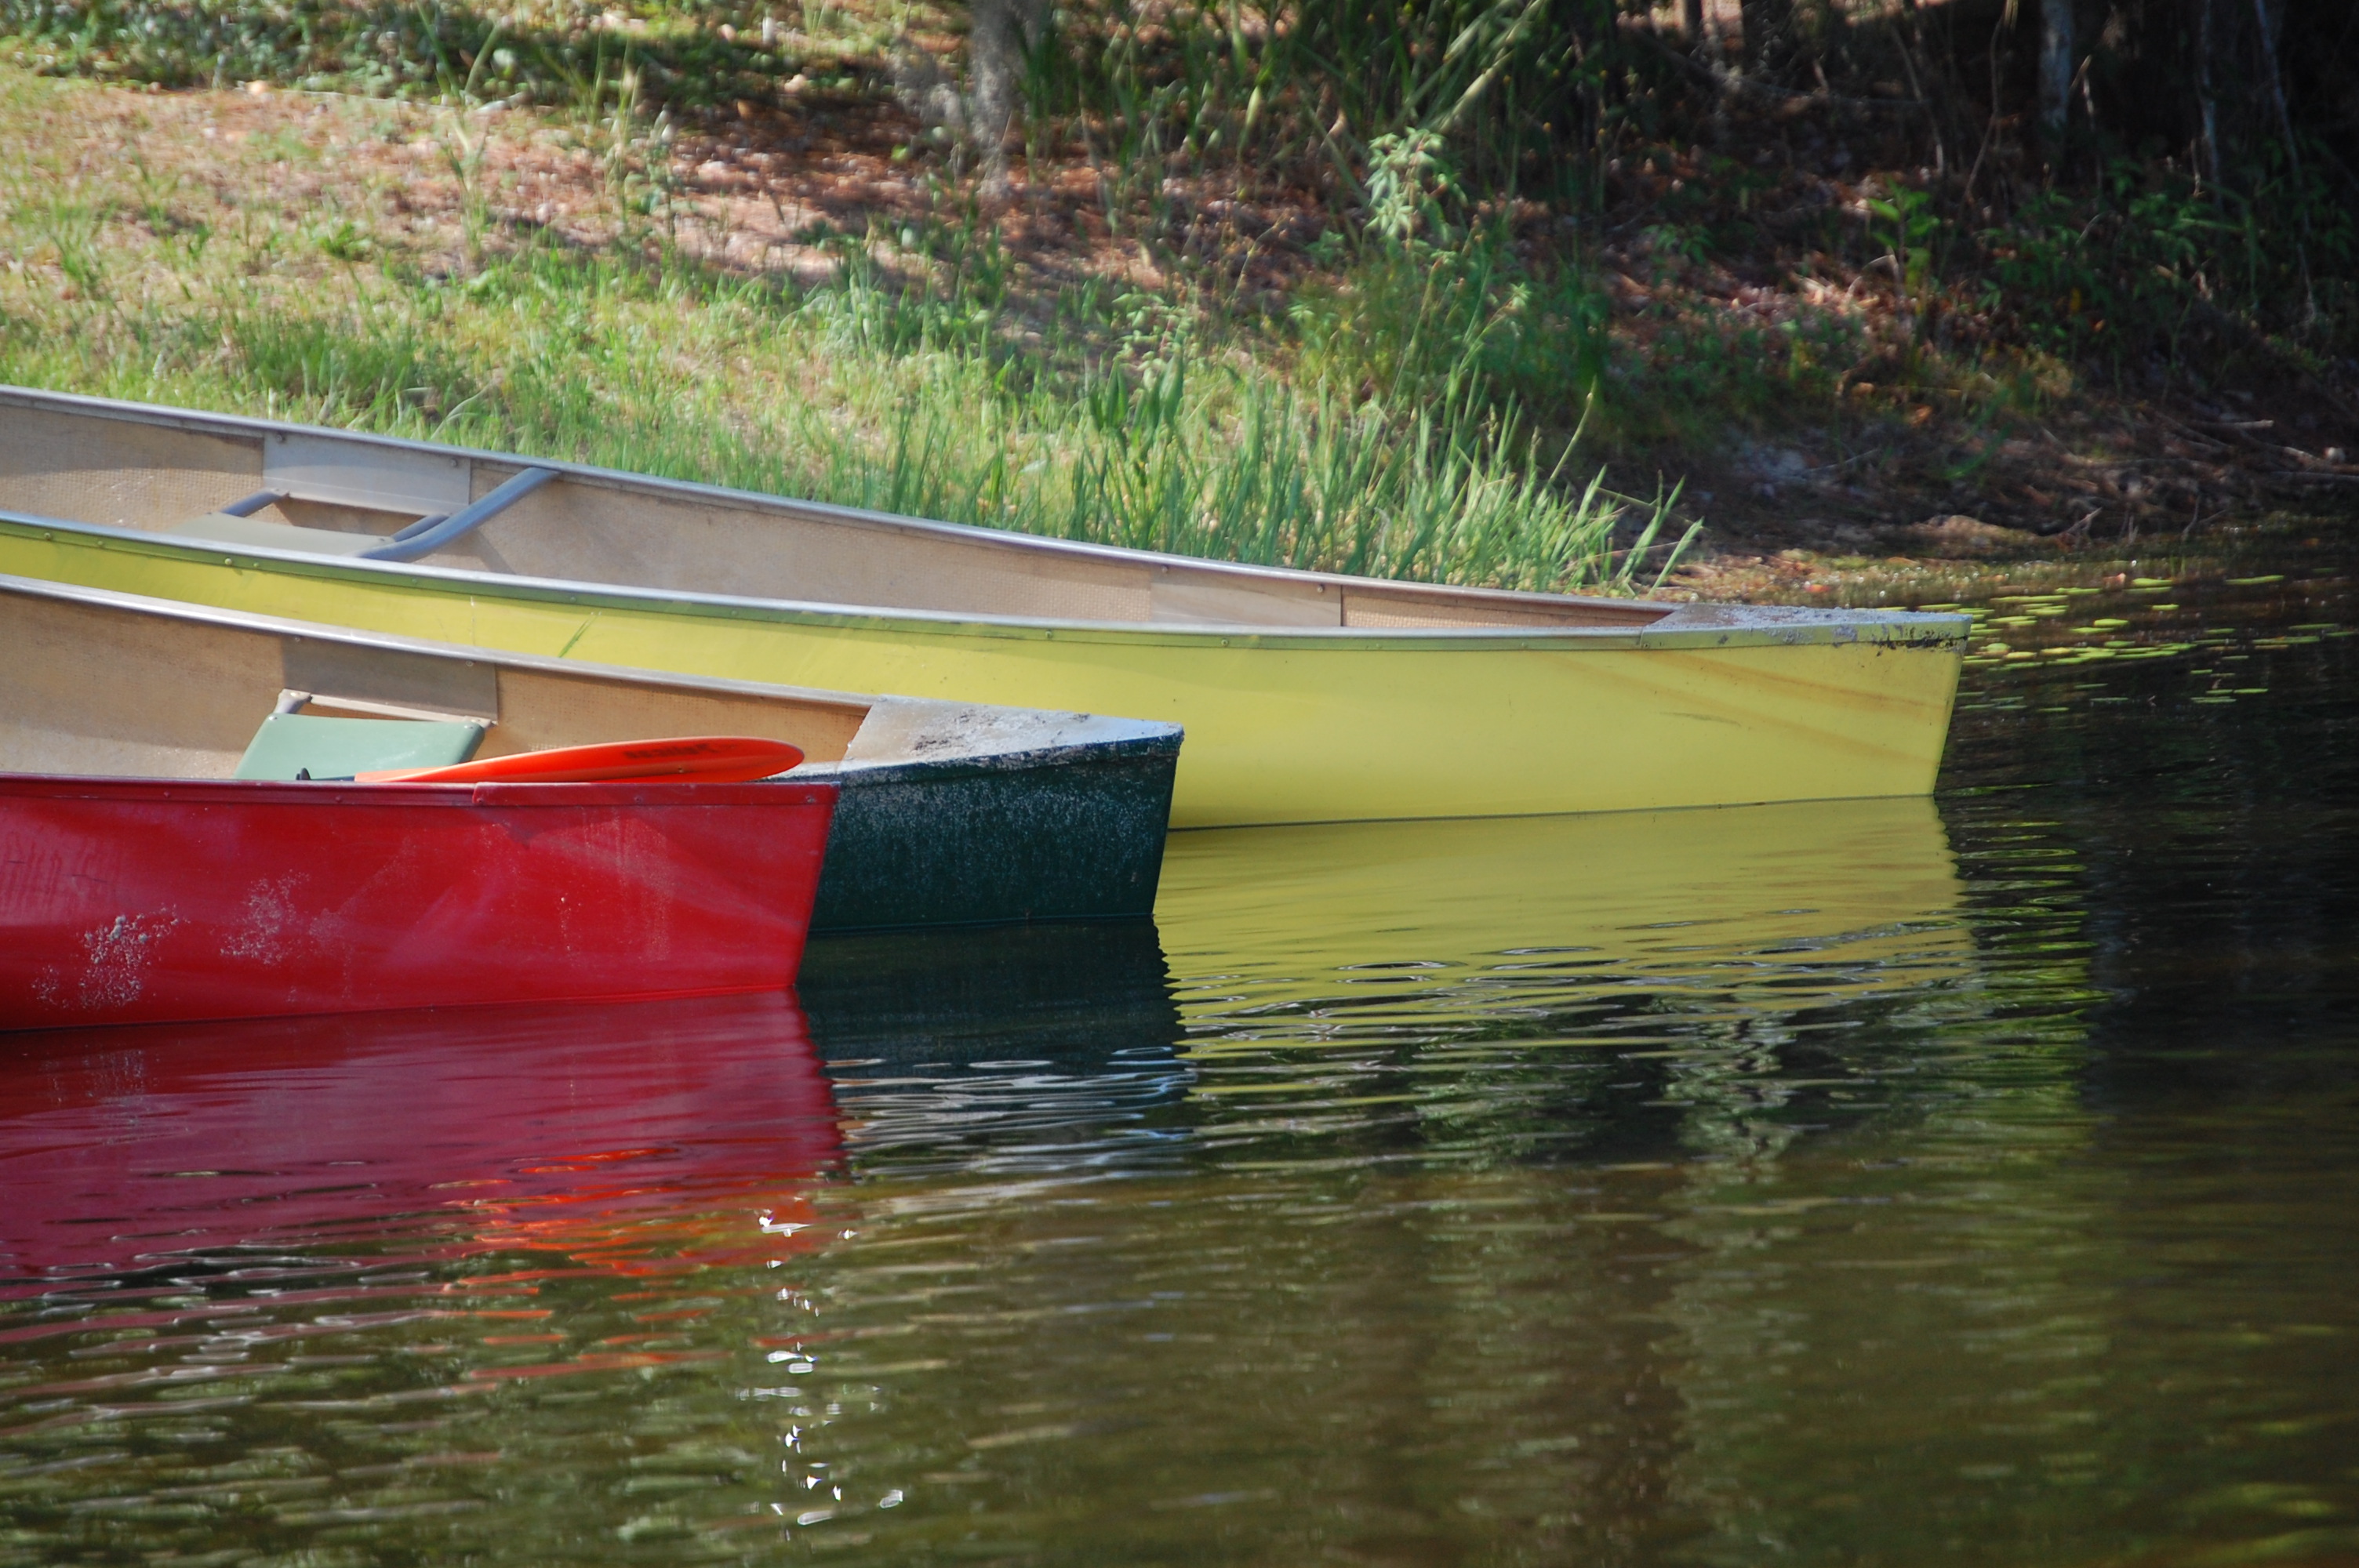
x,y
1722,627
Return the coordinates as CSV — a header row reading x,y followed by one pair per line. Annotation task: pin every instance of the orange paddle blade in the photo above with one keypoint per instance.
x,y
690,759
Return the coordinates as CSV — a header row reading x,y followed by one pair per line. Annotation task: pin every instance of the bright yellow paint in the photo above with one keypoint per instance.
x,y
1281,726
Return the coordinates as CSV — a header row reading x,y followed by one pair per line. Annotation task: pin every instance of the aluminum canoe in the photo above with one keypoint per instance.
x,y
1307,696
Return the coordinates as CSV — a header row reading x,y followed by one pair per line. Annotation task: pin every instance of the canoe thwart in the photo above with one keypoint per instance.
x,y
248,506
235,524
427,534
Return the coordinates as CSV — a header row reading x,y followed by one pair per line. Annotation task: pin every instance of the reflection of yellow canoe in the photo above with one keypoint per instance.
x,y
1758,906
1305,697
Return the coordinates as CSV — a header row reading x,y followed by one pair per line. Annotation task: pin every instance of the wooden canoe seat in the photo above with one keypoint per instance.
x,y
291,744
235,524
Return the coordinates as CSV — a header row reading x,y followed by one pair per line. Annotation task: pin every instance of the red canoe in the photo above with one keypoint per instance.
x,y
126,901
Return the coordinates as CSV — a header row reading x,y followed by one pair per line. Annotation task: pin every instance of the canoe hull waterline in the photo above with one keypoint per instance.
x,y
1327,699
176,901
951,813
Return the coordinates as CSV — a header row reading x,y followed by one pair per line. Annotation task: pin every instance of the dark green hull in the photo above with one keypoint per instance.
x,y
1068,833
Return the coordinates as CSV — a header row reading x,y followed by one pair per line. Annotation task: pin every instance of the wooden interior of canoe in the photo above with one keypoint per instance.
x,y
154,470
104,683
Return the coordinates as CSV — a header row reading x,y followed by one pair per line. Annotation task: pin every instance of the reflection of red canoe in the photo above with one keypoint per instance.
x,y
612,1134
139,900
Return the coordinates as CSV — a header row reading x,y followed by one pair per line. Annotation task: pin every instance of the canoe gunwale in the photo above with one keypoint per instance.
x,y
1714,626
653,796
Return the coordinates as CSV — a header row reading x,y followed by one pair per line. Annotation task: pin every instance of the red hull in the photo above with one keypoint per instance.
x,y
139,901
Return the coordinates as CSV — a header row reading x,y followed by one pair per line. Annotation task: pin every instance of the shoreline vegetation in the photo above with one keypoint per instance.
x,y
1803,298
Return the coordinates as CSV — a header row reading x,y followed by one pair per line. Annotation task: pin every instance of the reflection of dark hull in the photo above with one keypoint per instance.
x,y
120,1142
1028,1039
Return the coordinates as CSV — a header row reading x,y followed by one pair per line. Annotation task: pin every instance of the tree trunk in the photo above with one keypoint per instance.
x,y
999,36
2272,78
1768,28
1692,22
2055,69
2276,77
2207,95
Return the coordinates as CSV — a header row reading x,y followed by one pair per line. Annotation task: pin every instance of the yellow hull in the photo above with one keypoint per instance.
x,y
1282,726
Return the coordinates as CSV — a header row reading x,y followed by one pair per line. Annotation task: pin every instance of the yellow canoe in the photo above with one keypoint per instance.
x,y
1307,696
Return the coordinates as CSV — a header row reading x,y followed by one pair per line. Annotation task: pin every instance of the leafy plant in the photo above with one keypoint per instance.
x,y
1909,227
1409,181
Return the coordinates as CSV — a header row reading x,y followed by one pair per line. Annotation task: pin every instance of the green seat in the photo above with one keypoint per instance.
x,y
292,743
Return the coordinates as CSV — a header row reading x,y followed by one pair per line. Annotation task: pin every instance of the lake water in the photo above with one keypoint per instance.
x,y
1965,1181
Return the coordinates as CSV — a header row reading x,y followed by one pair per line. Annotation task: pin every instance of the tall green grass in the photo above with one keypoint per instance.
x,y
853,395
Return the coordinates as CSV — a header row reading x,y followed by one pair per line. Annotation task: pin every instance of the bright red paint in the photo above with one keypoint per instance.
x,y
150,901
633,1138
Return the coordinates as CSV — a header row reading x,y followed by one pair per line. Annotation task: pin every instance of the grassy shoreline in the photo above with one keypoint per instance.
x,y
243,268
797,303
